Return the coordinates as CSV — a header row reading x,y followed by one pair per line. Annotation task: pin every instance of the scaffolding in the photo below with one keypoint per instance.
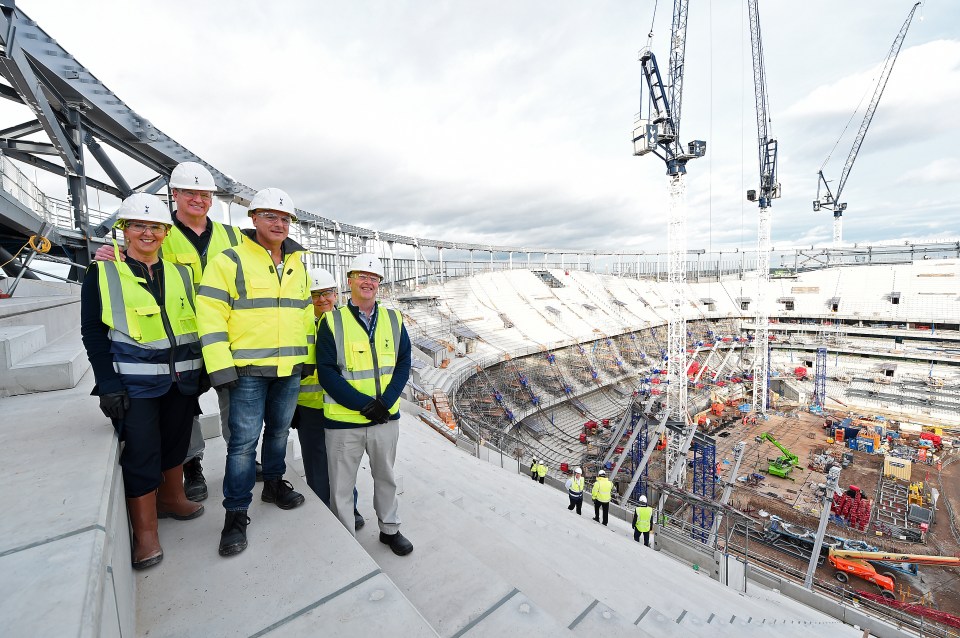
x,y
820,379
705,486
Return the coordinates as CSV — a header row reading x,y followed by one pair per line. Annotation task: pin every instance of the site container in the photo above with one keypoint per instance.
x,y
897,467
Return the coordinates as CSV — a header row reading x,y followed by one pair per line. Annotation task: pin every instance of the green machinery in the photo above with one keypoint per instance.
x,y
784,464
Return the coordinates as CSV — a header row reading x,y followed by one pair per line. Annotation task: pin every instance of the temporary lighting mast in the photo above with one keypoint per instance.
x,y
830,200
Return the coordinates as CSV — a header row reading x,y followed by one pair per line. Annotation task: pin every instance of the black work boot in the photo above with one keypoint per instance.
x,y
397,542
194,485
233,538
358,521
281,493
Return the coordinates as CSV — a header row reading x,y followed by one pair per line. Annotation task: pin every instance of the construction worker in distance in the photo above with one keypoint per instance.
x,y
139,328
602,491
541,472
308,418
256,327
575,490
193,240
642,521
533,469
363,364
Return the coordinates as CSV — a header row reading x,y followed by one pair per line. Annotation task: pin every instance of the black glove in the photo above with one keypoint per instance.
x,y
307,369
375,412
383,411
295,421
115,404
203,383
229,385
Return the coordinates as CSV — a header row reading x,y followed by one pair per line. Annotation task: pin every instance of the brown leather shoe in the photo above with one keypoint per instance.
x,y
172,502
146,541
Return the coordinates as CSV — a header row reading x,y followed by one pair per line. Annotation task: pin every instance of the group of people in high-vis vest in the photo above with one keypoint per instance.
x,y
601,494
538,471
189,304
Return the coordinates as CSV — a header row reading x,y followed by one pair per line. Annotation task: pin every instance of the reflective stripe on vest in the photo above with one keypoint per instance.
x,y
180,250
576,487
355,358
311,392
644,516
146,339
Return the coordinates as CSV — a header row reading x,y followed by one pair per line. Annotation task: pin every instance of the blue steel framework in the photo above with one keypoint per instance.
x,y
820,378
636,452
704,485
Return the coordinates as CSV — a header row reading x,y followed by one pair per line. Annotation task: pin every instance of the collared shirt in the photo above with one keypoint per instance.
x,y
369,320
202,241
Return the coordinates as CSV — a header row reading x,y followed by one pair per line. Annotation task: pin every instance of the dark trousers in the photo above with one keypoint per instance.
x,y
540,478
597,506
313,444
155,434
575,502
646,536
533,474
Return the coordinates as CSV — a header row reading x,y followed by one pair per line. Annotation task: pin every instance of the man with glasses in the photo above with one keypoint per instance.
x,y
193,240
256,327
363,364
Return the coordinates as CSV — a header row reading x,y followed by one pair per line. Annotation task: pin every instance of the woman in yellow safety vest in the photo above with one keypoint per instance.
x,y
139,327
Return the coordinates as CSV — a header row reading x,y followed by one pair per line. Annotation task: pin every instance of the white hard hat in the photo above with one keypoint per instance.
x,y
601,473
367,262
643,500
192,176
321,279
143,207
273,199
577,470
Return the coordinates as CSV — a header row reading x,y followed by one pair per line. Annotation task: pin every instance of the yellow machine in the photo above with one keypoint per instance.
x,y
915,494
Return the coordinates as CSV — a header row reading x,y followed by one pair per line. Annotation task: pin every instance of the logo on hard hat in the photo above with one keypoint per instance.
x,y
146,208
281,201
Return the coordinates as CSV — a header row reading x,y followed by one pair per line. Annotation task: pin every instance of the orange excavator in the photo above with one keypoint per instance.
x,y
856,563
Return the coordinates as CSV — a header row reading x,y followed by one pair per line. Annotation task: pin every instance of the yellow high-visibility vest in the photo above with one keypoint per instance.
x,y
142,334
311,392
644,518
602,490
576,487
368,369
178,249
541,470
251,322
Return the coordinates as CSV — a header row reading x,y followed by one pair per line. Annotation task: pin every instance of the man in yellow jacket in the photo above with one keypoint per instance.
x,y
642,521
601,494
256,327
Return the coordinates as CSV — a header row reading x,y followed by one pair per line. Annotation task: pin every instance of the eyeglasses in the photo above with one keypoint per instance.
x,y
204,195
329,294
362,276
139,227
273,217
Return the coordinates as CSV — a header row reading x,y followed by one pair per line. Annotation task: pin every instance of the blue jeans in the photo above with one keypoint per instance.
x,y
257,401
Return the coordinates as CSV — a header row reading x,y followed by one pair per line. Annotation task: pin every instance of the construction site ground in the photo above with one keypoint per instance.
x,y
795,500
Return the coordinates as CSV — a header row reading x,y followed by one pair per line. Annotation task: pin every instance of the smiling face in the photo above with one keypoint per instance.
x,y
192,204
323,300
272,226
143,239
363,288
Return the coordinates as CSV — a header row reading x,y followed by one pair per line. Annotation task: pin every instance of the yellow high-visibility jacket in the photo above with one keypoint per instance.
x,y
311,392
252,322
602,490
541,470
178,249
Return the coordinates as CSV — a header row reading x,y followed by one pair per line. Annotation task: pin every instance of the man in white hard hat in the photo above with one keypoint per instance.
x,y
575,490
642,521
256,327
193,240
601,495
363,364
308,419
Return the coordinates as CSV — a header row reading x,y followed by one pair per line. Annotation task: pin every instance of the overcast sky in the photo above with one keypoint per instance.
x,y
508,122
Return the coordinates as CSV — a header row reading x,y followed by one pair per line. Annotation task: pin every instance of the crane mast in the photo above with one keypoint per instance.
x,y
831,200
768,191
659,134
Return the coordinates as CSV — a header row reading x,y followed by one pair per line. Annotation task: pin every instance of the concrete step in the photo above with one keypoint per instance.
x,y
18,342
55,366
58,310
339,589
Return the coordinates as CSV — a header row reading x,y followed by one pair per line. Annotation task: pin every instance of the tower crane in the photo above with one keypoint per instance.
x,y
768,191
830,199
660,134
